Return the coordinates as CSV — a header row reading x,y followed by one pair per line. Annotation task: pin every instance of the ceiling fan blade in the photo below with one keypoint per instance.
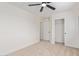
x,y
43,2
34,4
48,2
50,7
41,9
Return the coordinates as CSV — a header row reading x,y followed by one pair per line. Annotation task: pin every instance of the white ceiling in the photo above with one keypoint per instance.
x,y
60,6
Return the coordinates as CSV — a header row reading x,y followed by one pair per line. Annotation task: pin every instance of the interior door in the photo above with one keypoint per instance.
x,y
45,30
59,33
71,34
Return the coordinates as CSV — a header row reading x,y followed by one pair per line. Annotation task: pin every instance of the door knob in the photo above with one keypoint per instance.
x,y
65,33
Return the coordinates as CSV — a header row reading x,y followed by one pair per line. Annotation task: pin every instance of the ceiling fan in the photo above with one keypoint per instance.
x,y
43,4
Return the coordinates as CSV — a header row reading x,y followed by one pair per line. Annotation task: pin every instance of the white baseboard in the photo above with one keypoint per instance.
x,y
52,42
72,46
9,52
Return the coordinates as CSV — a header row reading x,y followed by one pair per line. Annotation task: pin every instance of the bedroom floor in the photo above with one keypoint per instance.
x,y
45,48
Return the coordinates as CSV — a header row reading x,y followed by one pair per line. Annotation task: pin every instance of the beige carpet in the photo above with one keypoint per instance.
x,y
45,48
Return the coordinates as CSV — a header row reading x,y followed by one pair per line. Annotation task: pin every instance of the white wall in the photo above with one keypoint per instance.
x,y
18,28
61,15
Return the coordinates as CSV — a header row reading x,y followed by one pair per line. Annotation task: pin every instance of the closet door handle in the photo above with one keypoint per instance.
x,y
65,33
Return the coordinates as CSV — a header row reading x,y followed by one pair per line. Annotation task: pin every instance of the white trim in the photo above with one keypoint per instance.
x,y
9,52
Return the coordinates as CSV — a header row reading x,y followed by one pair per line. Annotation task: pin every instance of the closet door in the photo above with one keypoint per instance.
x,y
71,34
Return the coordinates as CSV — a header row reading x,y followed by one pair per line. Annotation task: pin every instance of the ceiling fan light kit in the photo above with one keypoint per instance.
x,y
43,5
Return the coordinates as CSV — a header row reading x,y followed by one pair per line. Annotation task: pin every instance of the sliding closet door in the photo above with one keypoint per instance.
x,y
71,34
